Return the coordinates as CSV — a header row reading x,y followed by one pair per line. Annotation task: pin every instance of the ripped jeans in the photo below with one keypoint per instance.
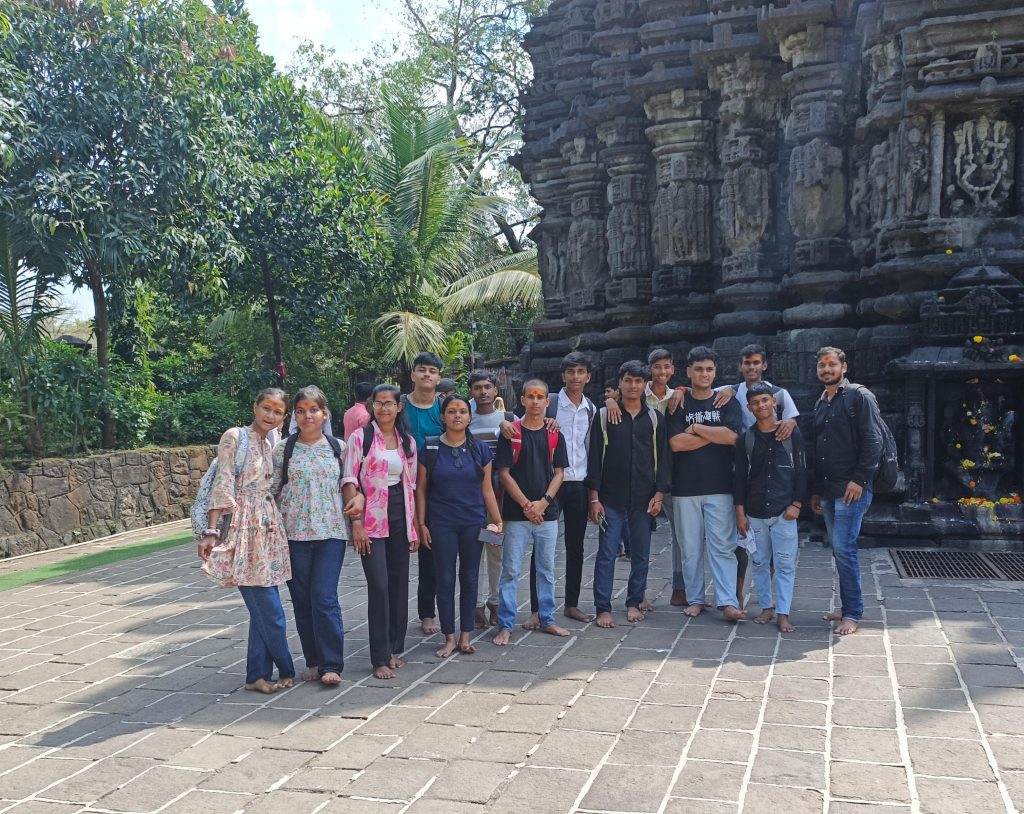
x,y
776,540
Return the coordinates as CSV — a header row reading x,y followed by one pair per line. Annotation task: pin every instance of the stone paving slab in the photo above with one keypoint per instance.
x,y
120,691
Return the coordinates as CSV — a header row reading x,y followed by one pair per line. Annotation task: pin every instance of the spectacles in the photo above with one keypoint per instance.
x,y
385,405
456,456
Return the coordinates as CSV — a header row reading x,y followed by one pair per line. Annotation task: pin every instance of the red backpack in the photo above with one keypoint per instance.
x,y
517,443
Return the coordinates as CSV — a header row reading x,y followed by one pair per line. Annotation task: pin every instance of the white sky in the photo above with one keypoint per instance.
x,y
350,27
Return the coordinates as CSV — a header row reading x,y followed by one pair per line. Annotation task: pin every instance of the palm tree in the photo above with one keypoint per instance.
x,y
434,212
27,303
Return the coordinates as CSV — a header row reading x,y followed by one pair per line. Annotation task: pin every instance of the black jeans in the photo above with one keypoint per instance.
x,y
387,584
573,503
457,550
426,588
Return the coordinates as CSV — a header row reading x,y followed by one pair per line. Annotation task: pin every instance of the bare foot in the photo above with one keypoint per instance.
x,y
492,615
694,611
429,626
836,616
646,607
634,615
502,638
396,663
555,630
784,624
765,616
448,649
263,686
846,627
383,672
465,645
311,674
533,623
480,618
604,619
577,614
330,679
678,597
733,614
286,683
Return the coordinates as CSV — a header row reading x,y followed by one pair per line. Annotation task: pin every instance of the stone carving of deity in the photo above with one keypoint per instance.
x,y
878,173
554,276
915,166
817,198
744,207
627,251
681,228
982,162
989,58
860,198
585,254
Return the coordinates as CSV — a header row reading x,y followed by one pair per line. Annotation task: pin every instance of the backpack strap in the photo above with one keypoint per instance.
x,y
654,435
510,417
748,445
551,411
289,448
431,447
336,449
367,438
517,443
242,452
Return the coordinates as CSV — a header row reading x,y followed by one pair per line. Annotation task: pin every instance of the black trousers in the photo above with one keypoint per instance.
x,y
426,588
573,503
387,584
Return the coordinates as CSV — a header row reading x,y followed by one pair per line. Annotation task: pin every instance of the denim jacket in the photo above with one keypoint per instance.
x,y
370,475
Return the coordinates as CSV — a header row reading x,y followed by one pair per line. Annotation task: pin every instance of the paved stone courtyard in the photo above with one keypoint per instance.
x,y
120,692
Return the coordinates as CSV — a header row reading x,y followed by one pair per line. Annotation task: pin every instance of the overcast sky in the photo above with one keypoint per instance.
x,y
350,27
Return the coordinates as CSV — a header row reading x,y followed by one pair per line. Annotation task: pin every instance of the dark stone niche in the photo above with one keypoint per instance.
x,y
799,173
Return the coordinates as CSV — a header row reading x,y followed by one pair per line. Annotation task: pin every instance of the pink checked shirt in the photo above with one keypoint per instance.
x,y
371,476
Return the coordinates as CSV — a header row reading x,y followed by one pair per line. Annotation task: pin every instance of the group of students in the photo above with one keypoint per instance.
x,y
451,478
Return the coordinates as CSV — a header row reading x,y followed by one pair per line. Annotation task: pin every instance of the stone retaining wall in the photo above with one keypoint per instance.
x,y
56,502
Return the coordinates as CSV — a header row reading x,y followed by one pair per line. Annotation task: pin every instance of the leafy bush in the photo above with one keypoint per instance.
x,y
12,433
192,418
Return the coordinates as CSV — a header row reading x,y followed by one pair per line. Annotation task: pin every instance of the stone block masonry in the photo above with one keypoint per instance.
x,y
56,502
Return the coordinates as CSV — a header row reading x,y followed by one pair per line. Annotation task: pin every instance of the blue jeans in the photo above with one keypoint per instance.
x,y
268,636
517,536
776,540
316,567
843,524
638,524
710,517
456,547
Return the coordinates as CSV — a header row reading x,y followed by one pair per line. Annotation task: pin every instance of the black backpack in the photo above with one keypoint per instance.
x,y
289,448
888,477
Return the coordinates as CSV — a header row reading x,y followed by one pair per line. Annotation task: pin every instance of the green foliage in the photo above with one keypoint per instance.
x,y
193,418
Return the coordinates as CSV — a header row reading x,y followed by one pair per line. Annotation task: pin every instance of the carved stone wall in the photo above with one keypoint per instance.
x,y
793,172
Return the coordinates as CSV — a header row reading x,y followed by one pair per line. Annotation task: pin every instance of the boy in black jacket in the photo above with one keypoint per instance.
x,y
771,485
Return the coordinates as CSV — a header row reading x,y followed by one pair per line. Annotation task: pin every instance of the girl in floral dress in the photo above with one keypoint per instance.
x,y
254,555
379,489
310,502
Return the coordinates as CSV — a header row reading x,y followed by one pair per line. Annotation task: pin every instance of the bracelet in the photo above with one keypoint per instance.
x,y
798,508
595,500
211,533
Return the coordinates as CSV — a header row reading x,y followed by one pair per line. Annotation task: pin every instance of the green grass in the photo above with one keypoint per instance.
x,y
60,569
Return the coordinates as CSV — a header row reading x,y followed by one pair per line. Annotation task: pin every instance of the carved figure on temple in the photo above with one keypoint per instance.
x,y
817,203
586,240
744,207
681,224
860,199
554,274
879,174
915,166
981,162
627,252
989,58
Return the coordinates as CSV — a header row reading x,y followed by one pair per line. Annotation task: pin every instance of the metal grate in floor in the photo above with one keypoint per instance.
x,y
918,564
1009,563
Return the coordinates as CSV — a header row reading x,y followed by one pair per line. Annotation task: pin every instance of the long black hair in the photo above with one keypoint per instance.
x,y
401,425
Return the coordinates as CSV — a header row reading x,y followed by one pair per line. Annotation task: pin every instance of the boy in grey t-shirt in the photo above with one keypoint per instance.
x,y
485,426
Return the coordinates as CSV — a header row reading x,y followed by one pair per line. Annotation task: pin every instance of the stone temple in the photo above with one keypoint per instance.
x,y
800,173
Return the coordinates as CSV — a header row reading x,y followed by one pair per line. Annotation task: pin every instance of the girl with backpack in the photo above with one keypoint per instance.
x,y
378,485
307,482
454,499
245,543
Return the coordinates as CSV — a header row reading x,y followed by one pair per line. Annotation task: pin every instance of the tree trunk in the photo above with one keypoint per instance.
x,y
509,233
275,327
33,433
101,327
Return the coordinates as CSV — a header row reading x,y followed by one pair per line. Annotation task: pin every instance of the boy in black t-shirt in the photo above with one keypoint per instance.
x,y
701,437
530,478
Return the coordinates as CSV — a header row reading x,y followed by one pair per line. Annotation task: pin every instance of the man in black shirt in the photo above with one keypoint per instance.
x,y
771,482
701,437
531,467
847,445
627,478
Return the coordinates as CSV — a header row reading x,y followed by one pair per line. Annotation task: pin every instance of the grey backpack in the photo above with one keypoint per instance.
x,y
201,506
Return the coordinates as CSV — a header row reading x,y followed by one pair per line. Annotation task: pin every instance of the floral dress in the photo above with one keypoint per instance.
x,y
256,550
310,502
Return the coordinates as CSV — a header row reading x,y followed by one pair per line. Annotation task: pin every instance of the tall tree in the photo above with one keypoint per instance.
x,y
126,133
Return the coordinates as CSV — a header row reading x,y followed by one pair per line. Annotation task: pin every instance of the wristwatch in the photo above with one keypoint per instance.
x,y
549,499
